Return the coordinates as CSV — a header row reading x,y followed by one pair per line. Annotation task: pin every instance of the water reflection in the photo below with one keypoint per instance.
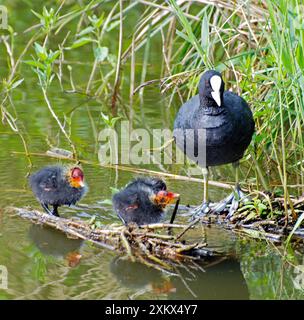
x,y
217,278
53,242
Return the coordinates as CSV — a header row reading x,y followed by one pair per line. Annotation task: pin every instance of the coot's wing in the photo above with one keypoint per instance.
x,y
124,203
183,129
242,114
50,183
45,180
185,114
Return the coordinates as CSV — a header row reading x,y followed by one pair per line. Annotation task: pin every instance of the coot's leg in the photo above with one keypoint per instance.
x,y
46,208
55,211
234,198
122,219
205,204
204,207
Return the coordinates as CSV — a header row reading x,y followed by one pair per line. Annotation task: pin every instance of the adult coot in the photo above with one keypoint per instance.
x,y
143,201
214,128
57,186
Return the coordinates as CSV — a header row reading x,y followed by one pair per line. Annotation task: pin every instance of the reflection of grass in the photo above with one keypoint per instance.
x,y
268,273
258,46
41,263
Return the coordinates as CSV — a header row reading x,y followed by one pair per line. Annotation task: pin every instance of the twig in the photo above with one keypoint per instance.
x,y
193,223
59,123
118,67
126,244
174,212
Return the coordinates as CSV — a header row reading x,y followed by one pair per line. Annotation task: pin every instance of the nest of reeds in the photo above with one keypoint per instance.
x,y
155,245
265,216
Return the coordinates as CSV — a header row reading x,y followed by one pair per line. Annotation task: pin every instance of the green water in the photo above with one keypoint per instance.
x,y
37,258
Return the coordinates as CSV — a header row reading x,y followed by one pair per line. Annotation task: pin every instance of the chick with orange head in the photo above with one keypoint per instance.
x,y
143,201
57,185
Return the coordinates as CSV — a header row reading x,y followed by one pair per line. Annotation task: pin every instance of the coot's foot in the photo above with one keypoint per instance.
x,y
55,211
233,200
48,211
200,210
46,208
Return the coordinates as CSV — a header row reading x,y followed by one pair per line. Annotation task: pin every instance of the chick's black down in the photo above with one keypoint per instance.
x,y
133,203
51,186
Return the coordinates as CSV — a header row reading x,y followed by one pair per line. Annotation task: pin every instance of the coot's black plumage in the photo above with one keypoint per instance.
x,y
227,127
57,186
143,201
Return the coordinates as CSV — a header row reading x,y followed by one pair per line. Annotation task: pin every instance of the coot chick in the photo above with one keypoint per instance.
x,y
143,201
213,128
57,186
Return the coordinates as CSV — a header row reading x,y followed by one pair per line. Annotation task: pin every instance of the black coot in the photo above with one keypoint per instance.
x,y
57,186
143,201
213,128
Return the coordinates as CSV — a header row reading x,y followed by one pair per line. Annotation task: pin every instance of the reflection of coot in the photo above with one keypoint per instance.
x,y
222,279
53,242
133,274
